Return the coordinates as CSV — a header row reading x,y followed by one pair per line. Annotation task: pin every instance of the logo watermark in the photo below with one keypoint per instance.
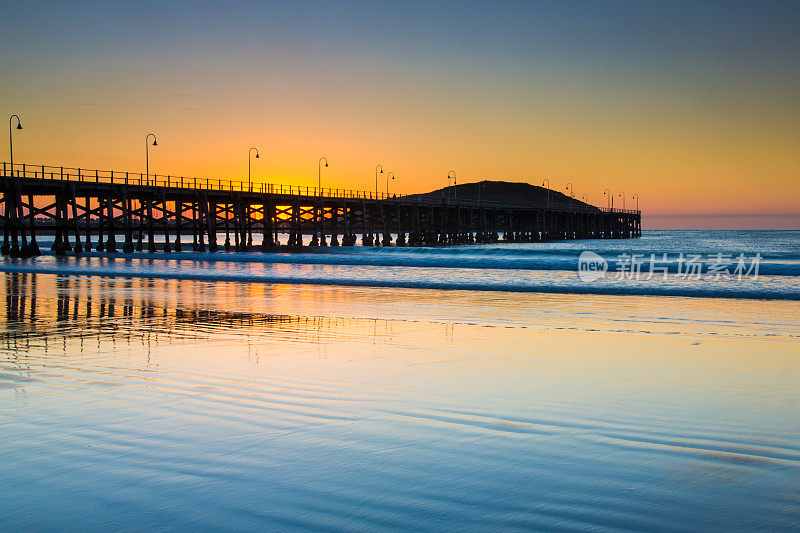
x,y
591,266
713,267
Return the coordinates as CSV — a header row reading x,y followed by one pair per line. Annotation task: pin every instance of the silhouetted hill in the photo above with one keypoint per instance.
x,y
504,192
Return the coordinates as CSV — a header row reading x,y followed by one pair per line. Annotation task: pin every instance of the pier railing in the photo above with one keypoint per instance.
x,y
46,172
23,170
618,210
551,205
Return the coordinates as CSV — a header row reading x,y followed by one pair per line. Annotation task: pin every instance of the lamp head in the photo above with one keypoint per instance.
x,y
19,125
326,164
381,171
155,143
256,155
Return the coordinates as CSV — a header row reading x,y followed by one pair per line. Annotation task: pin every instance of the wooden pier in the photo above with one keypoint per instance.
x,y
106,211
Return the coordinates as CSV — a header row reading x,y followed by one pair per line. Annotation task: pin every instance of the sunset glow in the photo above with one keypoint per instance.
x,y
373,265
694,109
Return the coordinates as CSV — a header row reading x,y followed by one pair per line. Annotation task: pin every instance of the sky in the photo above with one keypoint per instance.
x,y
692,106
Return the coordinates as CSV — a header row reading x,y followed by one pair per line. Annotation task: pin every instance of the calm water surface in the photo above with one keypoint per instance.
x,y
136,402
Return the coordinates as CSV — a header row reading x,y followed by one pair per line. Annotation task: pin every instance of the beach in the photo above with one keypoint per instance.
x,y
300,401
387,266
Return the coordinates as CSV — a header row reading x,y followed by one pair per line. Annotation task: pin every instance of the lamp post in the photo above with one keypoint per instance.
x,y
548,189
249,180
569,188
10,140
6,248
319,173
147,155
448,188
622,195
387,182
585,199
376,179
636,195
609,198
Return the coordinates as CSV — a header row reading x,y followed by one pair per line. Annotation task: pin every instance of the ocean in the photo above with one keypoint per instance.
x,y
643,384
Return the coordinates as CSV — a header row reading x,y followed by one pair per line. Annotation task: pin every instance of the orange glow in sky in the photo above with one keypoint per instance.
x,y
669,109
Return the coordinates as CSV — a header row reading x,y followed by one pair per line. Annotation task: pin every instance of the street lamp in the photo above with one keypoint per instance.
x,y
448,188
376,179
10,135
585,199
636,195
569,188
455,191
610,198
147,154
249,181
387,182
622,195
319,173
548,189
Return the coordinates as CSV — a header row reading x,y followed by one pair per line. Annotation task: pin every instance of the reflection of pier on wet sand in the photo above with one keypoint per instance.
x,y
33,320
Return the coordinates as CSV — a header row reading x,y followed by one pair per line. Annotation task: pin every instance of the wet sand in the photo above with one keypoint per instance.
x,y
138,403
